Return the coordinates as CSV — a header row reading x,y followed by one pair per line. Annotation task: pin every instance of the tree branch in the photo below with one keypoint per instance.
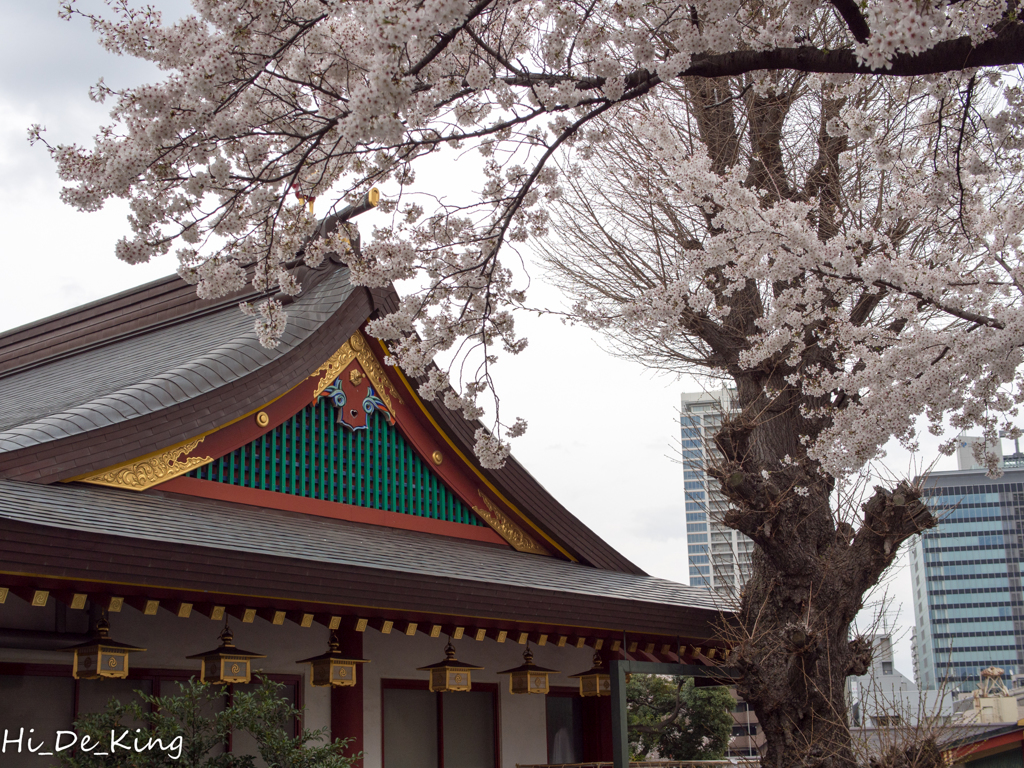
x,y
446,38
890,518
855,22
1006,47
668,719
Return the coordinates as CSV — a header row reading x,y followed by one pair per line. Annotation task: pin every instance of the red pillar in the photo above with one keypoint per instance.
x,y
347,703
597,729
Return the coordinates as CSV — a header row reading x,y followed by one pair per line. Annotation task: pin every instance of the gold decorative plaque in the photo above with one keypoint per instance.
x,y
140,474
356,348
508,530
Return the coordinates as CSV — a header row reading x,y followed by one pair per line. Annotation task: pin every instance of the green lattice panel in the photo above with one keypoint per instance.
x,y
312,455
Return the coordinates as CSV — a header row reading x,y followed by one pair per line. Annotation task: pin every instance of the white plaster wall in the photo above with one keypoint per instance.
x,y
522,719
16,613
169,639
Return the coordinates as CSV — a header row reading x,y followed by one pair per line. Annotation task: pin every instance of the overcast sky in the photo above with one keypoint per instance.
x,y
601,432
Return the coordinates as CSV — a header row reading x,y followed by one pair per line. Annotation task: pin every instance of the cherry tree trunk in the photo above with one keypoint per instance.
x,y
812,566
795,656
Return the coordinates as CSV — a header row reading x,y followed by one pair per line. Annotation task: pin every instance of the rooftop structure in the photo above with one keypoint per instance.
x,y
162,473
885,697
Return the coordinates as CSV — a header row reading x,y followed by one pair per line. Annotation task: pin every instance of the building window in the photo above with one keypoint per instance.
x,y
887,721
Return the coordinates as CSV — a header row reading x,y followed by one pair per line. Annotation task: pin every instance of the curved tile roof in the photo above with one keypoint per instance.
x,y
124,376
197,522
142,372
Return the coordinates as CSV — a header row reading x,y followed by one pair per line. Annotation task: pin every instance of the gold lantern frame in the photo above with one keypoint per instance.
x,y
102,656
450,675
529,677
334,668
596,681
226,663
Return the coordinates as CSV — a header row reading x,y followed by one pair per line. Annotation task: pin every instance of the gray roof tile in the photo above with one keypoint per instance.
x,y
196,522
143,373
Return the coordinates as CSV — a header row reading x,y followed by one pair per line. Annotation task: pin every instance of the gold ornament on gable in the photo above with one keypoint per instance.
x,y
508,530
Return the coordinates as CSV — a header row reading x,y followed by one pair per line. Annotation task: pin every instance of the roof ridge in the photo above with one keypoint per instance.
x,y
87,306
129,333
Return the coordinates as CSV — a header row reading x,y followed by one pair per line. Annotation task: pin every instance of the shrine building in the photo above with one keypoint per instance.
x,y
163,476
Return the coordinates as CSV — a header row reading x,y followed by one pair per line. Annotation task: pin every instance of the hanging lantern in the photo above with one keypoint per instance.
x,y
101,656
595,681
226,664
332,668
450,674
528,677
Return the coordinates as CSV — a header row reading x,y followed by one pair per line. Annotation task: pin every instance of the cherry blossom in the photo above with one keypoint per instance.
x,y
267,105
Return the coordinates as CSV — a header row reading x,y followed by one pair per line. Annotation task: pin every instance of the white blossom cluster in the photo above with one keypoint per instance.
x,y
269,104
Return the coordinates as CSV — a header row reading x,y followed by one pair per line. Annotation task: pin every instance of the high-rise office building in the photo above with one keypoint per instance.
x,y
719,557
966,574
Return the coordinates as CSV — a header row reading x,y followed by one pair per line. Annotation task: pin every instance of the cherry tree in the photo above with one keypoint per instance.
x,y
818,200
846,254
268,104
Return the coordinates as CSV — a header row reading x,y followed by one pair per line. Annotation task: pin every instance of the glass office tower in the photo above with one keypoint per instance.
x,y
966,574
719,557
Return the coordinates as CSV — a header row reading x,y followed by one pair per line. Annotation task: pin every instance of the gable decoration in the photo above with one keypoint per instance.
x,y
349,461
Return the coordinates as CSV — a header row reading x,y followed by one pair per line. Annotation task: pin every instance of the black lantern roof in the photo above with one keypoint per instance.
x,y
227,648
597,669
101,637
333,654
450,661
528,666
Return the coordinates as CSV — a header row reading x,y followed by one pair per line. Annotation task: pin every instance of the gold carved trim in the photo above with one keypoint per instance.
x,y
470,465
356,348
508,530
140,474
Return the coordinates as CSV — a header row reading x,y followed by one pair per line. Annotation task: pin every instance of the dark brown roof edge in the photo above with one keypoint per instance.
x,y
84,308
146,566
516,483
157,304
